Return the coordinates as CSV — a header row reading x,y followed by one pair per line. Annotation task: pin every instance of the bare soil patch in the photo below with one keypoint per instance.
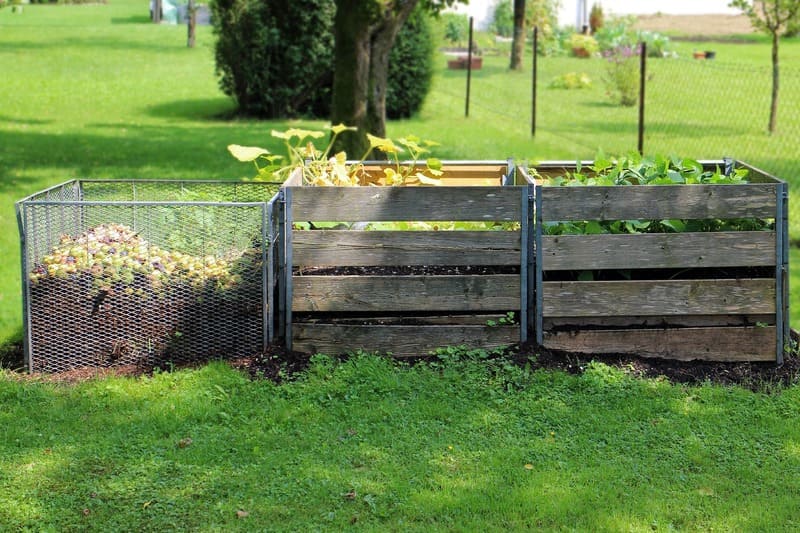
x,y
696,26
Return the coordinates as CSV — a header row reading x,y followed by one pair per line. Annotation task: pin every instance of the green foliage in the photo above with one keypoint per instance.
x,y
635,169
455,29
571,80
275,58
617,33
583,45
503,18
410,66
622,75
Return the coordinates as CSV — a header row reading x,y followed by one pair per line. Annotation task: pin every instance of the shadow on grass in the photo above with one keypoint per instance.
x,y
133,19
215,109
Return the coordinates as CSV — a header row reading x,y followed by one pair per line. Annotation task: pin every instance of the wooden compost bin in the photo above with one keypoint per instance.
x,y
407,292
720,296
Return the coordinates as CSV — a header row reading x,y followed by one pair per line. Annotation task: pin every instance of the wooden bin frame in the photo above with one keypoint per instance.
x,y
465,196
709,319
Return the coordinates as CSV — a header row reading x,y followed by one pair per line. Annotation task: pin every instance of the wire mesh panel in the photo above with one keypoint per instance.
x,y
141,273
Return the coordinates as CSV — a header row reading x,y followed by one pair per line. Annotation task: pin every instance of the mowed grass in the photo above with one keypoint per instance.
x,y
461,445
372,445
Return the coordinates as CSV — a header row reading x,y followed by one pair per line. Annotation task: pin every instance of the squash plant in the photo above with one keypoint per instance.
x,y
635,169
322,169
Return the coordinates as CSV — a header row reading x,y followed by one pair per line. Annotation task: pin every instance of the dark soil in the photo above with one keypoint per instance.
x,y
280,365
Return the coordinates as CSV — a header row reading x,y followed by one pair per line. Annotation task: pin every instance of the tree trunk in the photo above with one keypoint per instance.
x,y
518,43
351,75
361,68
773,108
191,11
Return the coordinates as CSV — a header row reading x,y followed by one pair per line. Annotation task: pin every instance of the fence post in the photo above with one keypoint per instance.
x,y
642,80
469,67
533,85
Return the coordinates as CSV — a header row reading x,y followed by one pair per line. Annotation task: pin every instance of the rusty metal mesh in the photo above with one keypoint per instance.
x,y
145,272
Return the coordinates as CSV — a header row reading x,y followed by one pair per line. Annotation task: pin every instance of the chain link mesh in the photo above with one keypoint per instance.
x,y
144,273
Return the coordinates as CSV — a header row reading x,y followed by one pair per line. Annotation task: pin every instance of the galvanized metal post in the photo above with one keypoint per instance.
x,y
781,272
538,284
266,274
21,210
288,267
281,263
523,265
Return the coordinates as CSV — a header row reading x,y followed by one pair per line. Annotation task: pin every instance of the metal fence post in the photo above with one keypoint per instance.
x,y
533,85
642,83
469,67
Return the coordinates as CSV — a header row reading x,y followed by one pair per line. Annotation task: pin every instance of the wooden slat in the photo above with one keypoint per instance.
x,y
366,204
365,248
404,320
659,250
401,341
682,344
605,322
661,297
405,293
659,202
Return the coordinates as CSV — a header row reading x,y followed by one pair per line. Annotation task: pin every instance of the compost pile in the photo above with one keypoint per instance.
x,y
108,297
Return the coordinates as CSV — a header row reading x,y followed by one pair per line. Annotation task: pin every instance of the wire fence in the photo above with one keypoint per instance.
x,y
693,107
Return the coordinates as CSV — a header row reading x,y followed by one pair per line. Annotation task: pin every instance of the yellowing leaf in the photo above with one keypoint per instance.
x,y
384,145
426,180
246,153
339,128
528,466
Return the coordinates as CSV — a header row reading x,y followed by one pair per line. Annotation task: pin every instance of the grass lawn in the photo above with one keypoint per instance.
x,y
457,446
96,91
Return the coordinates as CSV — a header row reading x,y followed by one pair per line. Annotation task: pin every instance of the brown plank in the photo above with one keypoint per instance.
x,y
364,248
366,204
659,202
405,293
401,341
682,344
661,297
405,320
658,250
604,322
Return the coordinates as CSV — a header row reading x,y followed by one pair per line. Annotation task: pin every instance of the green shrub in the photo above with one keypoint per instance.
x,y
571,80
410,67
275,58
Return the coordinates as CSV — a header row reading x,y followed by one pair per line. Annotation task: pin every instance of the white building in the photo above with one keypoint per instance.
x,y
576,12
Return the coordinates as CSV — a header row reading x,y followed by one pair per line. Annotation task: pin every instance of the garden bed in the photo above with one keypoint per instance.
x,y
711,295
447,269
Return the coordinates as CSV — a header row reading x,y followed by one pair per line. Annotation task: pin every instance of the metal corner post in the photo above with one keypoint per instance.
x,y
538,284
288,267
781,272
267,305
26,316
281,217
524,263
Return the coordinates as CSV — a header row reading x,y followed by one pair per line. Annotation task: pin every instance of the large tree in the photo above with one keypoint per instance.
x,y
773,17
518,42
364,32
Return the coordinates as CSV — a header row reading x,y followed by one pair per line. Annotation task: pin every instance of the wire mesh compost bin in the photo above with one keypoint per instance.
x,y
134,272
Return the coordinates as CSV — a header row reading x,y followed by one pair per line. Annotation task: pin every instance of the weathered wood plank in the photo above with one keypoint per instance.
x,y
401,341
604,322
364,204
661,297
387,294
658,250
403,320
366,248
659,202
682,344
